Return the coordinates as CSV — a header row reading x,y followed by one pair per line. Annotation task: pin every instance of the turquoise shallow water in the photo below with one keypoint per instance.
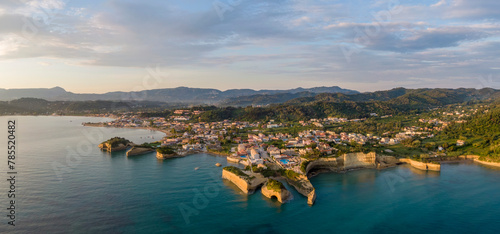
x,y
96,192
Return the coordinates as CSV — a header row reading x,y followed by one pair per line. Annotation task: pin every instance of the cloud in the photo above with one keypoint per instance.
x,y
477,9
424,39
293,37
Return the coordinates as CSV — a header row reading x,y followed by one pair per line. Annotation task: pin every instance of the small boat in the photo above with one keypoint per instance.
x,y
196,168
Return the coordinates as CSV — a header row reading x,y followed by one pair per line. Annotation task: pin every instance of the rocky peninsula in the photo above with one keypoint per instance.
x,y
115,144
246,182
166,153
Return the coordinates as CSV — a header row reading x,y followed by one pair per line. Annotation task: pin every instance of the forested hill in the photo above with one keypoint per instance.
x,y
35,106
388,102
407,96
309,106
481,133
411,97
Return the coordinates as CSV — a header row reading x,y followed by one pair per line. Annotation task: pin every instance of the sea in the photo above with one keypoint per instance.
x,y
65,184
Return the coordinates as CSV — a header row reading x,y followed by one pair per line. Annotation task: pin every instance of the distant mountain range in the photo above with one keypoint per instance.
x,y
171,95
284,106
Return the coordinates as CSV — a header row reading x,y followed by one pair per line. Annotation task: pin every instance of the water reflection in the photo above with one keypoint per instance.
x,y
489,167
422,173
365,176
241,196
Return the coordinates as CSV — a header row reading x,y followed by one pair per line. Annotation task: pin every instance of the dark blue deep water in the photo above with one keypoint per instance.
x,y
66,185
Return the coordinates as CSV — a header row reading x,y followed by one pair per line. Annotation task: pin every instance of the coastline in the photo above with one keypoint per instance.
x,y
143,128
491,164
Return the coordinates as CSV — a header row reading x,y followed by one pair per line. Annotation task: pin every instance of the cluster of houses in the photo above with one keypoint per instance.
x,y
255,147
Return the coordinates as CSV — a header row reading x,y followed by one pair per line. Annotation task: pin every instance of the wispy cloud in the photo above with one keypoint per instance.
x,y
428,40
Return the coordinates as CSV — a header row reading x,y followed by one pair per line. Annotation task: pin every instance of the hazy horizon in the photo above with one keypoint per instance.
x,y
111,91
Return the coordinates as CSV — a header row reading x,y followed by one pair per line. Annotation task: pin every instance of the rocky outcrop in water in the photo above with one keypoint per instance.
x,y
273,188
115,144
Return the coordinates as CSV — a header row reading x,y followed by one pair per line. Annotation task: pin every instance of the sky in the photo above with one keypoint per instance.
x,y
91,46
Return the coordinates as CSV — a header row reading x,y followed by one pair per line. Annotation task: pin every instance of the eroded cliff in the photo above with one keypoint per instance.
x,y
273,188
247,182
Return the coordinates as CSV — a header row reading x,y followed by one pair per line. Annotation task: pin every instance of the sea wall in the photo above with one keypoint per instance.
x,y
422,165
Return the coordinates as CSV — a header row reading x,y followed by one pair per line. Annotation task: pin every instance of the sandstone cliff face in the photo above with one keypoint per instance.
x,y
282,195
247,186
107,147
359,160
331,164
353,160
386,161
304,187
233,159
470,157
138,151
422,165
166,156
